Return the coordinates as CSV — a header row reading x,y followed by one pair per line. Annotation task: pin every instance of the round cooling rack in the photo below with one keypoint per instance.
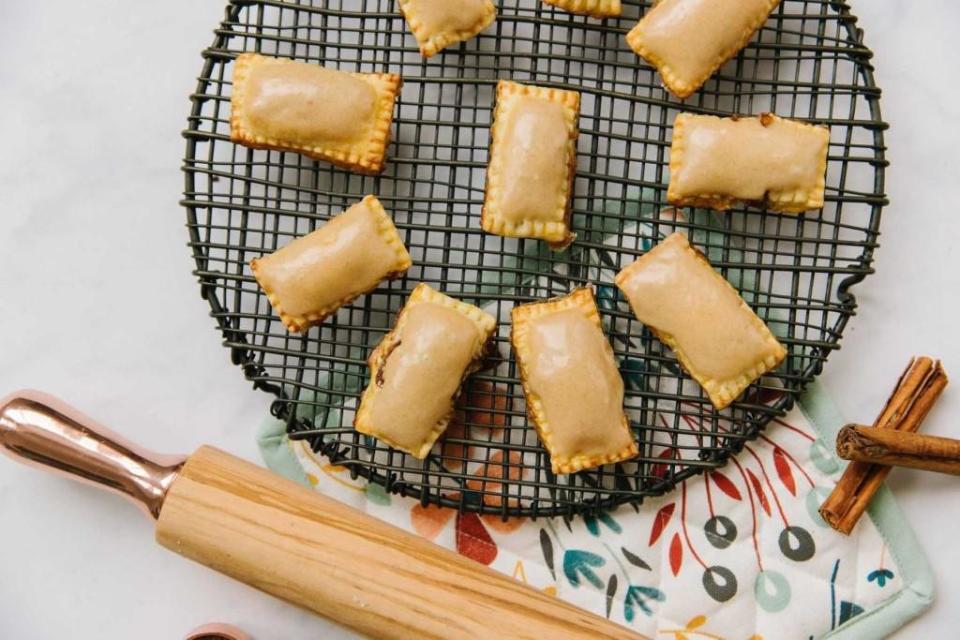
x,y
807,62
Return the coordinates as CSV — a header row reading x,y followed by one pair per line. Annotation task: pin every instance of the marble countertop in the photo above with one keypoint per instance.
x,y
100,307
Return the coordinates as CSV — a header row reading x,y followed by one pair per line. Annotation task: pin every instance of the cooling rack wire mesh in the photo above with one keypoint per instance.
x,y
808,62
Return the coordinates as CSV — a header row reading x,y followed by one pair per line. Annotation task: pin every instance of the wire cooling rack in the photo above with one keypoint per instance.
x,y
808,62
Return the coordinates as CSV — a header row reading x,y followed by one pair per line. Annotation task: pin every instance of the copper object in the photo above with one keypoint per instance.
x,y
42,431
218,631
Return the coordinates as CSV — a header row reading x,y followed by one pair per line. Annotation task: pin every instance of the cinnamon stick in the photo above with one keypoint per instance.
x,y
899,449
911,400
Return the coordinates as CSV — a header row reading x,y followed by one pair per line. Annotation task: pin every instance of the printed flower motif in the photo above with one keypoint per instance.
x,y
429,520
764,395
772,591
577,563
822,458
607,297
454,452
782,466
660,469
481,405
494,469
690,629
849,610
846,610
472,536
593,525
725,484
676,554
660,522
880,576
473,539
638,596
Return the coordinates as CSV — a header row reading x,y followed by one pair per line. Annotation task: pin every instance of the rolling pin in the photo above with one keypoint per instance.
x,y
291,542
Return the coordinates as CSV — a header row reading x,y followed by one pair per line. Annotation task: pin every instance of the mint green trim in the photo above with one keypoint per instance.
x,y
916,596
912,600
277,452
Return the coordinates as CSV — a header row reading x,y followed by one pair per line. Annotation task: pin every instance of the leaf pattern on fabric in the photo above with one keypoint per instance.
x,y
761,494
611,592
782,465
578,563
473,541
546,548
637,597
724,483
676,554
849,610
660,469
634,559
377,494
660,522
695,622
496,468
430,520
633,371
593,526
880,576
797,544
607,297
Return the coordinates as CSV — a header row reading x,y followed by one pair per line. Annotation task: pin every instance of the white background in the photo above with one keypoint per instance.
x,y
100,308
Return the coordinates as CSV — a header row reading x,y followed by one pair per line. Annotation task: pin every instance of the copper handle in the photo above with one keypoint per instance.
x,y
42,431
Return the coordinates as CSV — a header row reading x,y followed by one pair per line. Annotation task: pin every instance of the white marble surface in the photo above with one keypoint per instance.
x,y
100,307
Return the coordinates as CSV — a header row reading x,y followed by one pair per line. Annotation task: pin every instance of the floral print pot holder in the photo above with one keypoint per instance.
x,y
737,553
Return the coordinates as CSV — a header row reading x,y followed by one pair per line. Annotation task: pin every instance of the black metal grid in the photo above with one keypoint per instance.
x,y
807,62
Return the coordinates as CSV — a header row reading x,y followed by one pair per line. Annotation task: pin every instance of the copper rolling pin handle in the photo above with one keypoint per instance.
x,y
42,431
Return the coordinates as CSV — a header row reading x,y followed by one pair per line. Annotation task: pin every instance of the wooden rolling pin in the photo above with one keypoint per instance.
x,y
291,542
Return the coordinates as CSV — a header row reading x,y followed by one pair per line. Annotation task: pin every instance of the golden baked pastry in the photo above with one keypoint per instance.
x,y
593,8
533,158
692,309
418,368
437,24
340,117
688,40
571,382
316,274
765,160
